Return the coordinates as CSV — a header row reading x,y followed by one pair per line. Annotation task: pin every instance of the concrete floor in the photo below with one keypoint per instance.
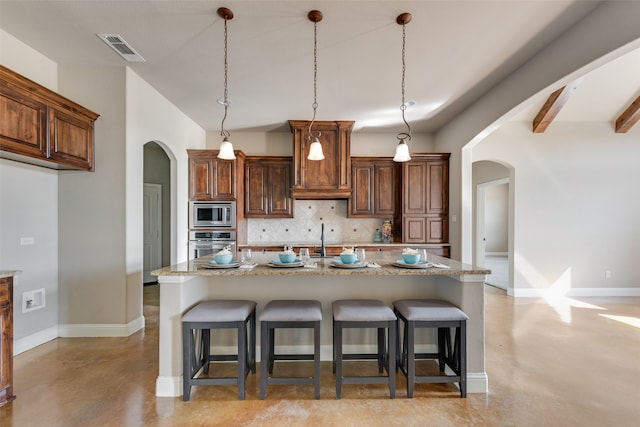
x,y
570,362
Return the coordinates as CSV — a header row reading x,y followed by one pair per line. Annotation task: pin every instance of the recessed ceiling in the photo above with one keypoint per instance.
x,y
456,50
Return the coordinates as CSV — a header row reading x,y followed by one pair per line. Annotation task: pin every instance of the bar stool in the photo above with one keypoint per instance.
x,y
365,313
196,340
288,314
439,314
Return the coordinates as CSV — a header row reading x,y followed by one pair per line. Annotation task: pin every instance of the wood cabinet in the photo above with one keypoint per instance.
x,y
374,193
41,127
325,179
267,187
211,178
6,341
425,199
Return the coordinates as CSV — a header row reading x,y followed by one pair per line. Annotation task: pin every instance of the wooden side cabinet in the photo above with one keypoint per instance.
x,y
42,127
425,199
211,178
6,342
267,187
374,181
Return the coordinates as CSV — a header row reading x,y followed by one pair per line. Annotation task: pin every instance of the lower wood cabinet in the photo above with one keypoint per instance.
x,y
6,341
267,187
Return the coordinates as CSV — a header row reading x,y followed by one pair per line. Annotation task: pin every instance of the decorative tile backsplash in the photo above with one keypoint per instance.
x,y
306,225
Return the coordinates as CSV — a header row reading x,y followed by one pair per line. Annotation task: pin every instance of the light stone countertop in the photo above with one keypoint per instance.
x,y
324,267
8,273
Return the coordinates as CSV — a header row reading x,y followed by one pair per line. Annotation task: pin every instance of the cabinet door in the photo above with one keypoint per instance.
x,y
200,178
384,195
70,139
437,187
362,196
437,229
6,340
279,203
256,191
414,229
414,182
23,123
224,180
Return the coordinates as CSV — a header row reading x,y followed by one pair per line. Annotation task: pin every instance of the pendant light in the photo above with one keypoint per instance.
x,y
315,148
226,148
402,149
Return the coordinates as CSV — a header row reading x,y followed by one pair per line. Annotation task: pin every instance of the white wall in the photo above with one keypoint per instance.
x,y
29,208
576,201
585,46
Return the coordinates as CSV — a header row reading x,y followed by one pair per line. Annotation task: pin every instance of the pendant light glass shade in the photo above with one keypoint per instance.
x,y
402,152
226,150
315,150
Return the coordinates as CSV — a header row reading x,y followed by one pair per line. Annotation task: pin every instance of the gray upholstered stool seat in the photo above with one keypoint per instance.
x,y
365,313
196,342
429,313
288,314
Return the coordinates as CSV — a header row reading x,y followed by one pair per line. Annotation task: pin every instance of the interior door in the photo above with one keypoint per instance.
x,y
152,257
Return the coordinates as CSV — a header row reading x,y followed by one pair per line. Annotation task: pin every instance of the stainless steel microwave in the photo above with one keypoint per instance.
x,y
212,215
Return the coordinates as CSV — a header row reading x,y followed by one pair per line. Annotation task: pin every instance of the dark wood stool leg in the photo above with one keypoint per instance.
x,y
391,368
409,330
242,358
337,344
381,349
316,359
264,358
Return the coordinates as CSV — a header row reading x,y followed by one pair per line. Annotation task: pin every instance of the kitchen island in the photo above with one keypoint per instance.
x,y
185,284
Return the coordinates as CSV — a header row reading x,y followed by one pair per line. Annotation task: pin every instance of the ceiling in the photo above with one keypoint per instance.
x,y
455,51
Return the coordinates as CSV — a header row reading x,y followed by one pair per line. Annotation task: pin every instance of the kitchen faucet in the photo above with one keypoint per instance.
x,y
322,250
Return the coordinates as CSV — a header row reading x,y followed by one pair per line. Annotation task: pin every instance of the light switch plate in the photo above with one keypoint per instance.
x,y
25,241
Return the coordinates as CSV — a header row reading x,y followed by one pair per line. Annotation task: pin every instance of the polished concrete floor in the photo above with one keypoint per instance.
x,y
567,362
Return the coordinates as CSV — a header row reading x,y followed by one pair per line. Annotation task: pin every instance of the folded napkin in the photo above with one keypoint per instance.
x,y
373,265
247,266
438,265
311,265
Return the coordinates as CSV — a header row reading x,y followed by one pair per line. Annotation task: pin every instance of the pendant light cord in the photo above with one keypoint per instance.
x,y
224,133
402,136
315,79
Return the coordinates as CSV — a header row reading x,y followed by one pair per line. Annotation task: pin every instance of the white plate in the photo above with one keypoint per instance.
x,y
400,263
339,264
277,263
213,264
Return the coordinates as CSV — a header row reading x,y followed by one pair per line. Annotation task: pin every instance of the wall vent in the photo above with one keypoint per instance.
x,y
121,46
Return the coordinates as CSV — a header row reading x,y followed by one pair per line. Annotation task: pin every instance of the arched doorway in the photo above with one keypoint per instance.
x,y
157,210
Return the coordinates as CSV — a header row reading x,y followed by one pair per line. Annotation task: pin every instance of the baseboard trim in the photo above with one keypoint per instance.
x,y
575,292
168,386
98,330
27,343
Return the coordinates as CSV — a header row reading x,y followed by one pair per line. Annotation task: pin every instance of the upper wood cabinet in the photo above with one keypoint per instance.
x,y
41,127
425,199
211,178
324,179
374,181
267,187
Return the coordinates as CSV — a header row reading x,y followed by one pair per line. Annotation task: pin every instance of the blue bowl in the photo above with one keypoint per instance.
x,y
223,259
411,258
348,258
286,257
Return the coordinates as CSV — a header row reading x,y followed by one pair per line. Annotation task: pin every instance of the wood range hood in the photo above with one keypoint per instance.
x,y
325,179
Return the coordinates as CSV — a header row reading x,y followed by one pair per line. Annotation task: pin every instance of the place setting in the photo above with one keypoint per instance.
x,y
221,260
414,259
287,259
350,258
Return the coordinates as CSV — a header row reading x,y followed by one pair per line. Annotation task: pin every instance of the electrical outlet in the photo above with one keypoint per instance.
x,y
33,300
607,274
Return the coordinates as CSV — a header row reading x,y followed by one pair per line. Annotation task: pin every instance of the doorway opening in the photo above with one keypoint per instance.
x,y
157,210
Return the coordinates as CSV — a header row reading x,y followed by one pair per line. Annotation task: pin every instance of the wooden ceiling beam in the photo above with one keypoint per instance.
x,y
629,117
551,108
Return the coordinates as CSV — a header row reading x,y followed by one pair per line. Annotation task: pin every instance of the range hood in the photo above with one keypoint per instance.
x,y
324,179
